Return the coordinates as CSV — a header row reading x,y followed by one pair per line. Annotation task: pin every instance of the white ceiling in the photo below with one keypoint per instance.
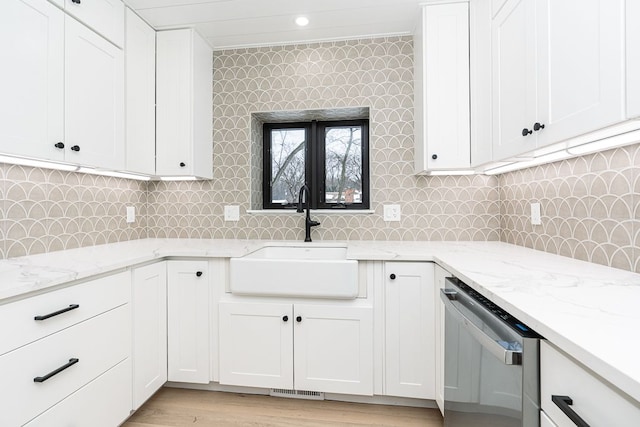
x,y
237,23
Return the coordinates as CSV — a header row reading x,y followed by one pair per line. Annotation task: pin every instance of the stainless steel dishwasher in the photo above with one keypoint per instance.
x,y
491,363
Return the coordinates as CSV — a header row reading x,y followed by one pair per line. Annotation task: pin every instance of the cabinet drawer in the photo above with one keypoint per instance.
x,y
105,17
595,401
104,402
98,343
93,297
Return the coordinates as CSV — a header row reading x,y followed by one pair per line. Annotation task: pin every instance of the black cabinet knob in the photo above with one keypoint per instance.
x,y
526,132
392,276
434,157
299,319
59,145
285,318
537,126
198,273
75,148
182,164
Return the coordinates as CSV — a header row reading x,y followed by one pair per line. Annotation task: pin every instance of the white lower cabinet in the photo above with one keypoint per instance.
x,y
409,330
315,347
188,350
256,344
545,421
568,387
102,403
440,275
149,300
37,376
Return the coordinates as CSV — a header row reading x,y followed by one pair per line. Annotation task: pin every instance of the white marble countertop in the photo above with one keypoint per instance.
x,y
590,311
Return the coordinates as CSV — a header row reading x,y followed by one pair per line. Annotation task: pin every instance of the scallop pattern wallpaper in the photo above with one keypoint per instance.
x,y
49,210
373,73
590,207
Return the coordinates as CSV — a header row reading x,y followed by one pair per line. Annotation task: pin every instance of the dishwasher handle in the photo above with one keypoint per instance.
x,y
509,357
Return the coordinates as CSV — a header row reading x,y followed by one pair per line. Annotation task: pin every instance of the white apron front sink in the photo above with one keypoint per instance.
x,y
303,270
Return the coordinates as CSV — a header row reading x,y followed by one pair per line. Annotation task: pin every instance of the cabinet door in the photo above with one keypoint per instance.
x,y
256,344
188,321
31,79
581,57
333,349
480,82
140,74
409,330
94,105
149,331
440,275
447,86
633,58
174,107
105,17
514,78
184,108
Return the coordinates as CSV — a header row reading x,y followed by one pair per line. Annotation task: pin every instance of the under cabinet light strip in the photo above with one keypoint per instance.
x,y
22,161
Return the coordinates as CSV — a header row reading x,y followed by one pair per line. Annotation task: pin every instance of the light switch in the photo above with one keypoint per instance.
x,y
391,213
131,214
535,214
232,213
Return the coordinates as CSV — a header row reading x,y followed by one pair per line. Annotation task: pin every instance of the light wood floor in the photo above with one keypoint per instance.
x,y
178,407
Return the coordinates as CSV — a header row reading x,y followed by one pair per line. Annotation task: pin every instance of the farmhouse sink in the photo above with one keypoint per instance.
x,y
303,270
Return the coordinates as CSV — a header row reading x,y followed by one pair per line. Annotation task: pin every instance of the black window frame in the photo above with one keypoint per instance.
x,y
315,163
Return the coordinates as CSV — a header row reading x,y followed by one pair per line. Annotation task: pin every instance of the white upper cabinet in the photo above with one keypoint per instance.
x,y
558,71
140,97
105,17
633,59
184,112
94,99
480,14
581,72
31,79
514,78
442,129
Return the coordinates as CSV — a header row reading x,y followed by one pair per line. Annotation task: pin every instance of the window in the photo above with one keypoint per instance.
x,y
332,158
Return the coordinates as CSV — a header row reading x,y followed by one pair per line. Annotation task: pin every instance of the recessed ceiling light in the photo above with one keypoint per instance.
x,y
302,21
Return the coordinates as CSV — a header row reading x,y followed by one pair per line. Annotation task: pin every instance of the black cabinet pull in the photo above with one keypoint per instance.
x,y
59,145
56,372
434,157
182,164
55,313
299,319
75,148
537,126
285,318
564,403
392,276
76,1
198,273
526,132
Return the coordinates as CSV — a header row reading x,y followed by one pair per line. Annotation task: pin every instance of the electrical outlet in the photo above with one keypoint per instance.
x,y
536,219
392,213
131,214
232,213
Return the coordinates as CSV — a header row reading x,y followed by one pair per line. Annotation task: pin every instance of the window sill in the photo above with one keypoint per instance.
x,y
314,211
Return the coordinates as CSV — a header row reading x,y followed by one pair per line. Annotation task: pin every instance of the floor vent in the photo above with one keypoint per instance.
x,y
297,394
